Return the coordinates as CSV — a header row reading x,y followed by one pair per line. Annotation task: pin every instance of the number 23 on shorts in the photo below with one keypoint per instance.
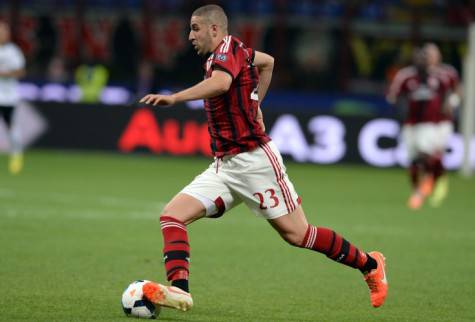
x,y
268,199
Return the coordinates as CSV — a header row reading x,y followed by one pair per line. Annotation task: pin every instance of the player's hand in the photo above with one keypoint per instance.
x,y
158,99
448,110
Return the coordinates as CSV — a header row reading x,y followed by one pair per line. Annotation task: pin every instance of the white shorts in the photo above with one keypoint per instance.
x,y
257,177
427,138
445,130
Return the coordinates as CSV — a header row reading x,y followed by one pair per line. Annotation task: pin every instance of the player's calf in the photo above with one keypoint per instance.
x,y
335,247
176,251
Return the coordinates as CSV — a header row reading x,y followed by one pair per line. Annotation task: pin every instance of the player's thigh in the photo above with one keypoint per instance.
x,y
263,183
409,139
211,192
445,131
426,138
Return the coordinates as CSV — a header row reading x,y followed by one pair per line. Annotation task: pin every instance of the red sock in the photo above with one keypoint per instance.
x,y
176,249
326,241
438,169
414,174
428,164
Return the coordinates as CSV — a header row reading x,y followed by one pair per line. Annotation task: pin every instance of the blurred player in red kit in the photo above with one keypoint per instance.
x,y
425,90
445,123
247,166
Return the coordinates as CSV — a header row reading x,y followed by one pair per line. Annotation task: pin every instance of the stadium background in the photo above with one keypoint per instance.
x,y
78,216
334,58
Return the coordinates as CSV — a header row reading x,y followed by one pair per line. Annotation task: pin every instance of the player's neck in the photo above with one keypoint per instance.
x,y
219,38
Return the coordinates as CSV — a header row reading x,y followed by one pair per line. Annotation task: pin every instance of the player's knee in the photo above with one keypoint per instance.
x,y
169,211
293,238
182,213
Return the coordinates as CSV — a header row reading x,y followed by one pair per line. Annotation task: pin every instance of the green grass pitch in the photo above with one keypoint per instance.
x,y
76,228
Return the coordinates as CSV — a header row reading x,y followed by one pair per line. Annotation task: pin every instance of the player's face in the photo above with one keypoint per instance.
x,y
200,35
433,55
4,33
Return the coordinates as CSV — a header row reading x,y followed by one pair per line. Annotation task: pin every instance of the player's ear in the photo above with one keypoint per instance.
x,y
214,30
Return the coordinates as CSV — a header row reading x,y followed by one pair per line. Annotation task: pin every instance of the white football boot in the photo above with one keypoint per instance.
x,y
169,296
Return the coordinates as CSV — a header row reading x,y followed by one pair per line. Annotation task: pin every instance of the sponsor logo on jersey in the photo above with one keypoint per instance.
x,y
221,57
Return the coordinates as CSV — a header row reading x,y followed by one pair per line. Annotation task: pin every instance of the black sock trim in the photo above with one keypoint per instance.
x,y
343,254
181,284
178,242
370,264
176,254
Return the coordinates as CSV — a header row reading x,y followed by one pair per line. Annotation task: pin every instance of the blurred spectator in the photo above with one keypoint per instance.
x,y
91,77
125,52
46,36
314,54
351,46
145,79
56,71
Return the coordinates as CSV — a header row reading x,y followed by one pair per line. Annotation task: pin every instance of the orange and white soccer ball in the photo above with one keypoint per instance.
x,y
136,305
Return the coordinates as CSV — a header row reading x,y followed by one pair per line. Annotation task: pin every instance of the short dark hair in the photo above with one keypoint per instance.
x,y
214,14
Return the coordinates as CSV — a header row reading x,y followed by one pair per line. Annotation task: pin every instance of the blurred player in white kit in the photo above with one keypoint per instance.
x,y
12,64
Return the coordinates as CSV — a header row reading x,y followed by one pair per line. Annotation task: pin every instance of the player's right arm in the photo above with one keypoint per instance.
x,y
17,73
397,86
217,84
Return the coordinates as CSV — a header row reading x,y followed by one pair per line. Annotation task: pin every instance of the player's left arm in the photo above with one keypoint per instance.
x,y
265,66
452,101
217,84
455,98
17,73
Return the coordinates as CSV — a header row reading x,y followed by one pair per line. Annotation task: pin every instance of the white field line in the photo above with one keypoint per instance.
x,y
67,198
80,206
7,193
46,212
401,232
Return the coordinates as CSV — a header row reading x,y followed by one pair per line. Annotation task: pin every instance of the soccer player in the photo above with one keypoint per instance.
x,y
247,166
425,90
12,63
444,122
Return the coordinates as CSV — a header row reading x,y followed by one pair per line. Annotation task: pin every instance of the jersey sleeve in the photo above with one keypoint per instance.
x,y
445,86
227,59
397,86
454,77
227,63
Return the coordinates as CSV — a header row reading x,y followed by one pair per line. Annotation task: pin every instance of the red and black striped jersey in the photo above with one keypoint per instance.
x,y
425,94
451,77
231,116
